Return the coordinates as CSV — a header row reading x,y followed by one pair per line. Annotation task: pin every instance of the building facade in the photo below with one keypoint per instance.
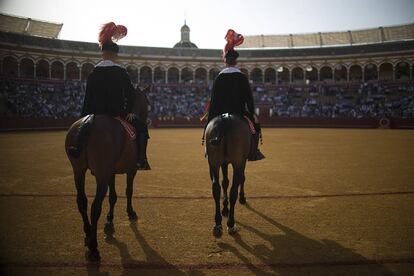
x,y
26,56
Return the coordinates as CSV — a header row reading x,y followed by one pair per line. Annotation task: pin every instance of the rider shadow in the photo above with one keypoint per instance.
x,y
155,262
307,255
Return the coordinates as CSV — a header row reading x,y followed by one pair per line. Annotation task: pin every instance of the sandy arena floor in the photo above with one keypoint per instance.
x,y
323,202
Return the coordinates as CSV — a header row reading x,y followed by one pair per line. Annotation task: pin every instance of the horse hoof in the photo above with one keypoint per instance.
x,y
132,215
225,212
242,200
109,229
232,230
217,231
93,256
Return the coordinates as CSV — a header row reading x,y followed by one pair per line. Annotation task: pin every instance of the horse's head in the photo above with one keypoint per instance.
x,y
140,108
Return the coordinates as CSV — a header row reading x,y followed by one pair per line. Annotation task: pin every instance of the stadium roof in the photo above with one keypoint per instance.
x,y
365,36
77,46
28,26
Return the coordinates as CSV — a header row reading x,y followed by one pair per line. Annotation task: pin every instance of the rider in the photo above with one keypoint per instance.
x,y
109,90
232,94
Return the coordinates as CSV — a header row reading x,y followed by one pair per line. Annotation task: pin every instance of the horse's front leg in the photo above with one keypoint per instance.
x,y
96,209
129,191
225,185
109,226
214,175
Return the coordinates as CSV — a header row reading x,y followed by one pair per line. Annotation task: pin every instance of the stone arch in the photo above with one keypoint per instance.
x,y
173,75
270,75
72,71
213,73
283,75
326,74
57,71
27,68
386,71
86,69
159,74
200,75
297,74
42,69
311,73
355,73
10,66
402,71
256,75
370,72
145,75
186,75
340,73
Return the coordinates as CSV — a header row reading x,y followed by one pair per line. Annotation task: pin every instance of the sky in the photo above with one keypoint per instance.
x,y
157,23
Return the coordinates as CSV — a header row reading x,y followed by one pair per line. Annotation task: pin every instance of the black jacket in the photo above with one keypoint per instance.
x,y
109,91
231,94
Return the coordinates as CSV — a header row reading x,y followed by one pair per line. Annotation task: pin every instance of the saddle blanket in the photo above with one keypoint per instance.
x,y
251,125
128,128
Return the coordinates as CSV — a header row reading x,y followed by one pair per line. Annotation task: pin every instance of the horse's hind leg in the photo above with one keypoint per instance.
x,y
101,189
129,190
82,201
214,175
109,226
242,198
237,178
225,185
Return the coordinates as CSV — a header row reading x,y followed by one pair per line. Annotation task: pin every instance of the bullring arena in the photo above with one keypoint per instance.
x,y
324,202
336,199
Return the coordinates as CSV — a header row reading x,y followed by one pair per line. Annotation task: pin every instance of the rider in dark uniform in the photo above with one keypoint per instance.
x,y
232,94
109,90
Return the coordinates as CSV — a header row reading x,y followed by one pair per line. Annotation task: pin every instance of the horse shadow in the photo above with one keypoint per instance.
x,y
305,254
155,263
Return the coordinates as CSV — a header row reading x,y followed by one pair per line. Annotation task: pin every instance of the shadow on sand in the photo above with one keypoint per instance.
x,y
155,264
292,252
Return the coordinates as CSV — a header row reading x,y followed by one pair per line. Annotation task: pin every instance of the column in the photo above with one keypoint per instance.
x,y
139,75
166,76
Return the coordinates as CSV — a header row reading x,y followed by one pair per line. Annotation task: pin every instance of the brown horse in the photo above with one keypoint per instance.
x,y
232,148
109,151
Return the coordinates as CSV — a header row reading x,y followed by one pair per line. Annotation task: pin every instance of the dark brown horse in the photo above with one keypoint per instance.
x,y
232,148
109,151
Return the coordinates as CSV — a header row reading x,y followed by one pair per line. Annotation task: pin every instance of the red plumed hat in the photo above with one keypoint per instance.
x,y
233,39
109,33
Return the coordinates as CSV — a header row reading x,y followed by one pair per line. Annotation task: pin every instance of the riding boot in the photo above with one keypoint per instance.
x,y
142,162
255,153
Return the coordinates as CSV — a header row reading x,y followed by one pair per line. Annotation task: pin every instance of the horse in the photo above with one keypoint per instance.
x,y
109,151
231,147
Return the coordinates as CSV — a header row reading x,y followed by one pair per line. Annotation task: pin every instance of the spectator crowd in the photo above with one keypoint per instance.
x,y
28,98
